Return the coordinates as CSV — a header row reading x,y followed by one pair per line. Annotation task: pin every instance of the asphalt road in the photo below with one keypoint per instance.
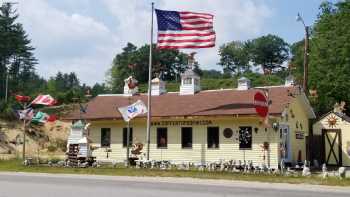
x,y
45,185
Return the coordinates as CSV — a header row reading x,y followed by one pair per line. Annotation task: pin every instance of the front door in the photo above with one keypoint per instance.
x,y
286,151
332,146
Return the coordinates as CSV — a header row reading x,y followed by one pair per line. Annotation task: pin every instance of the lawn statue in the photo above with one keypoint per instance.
x,y
341,172
324,171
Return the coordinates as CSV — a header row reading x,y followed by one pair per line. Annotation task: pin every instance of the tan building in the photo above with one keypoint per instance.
x,y
204,126
333,133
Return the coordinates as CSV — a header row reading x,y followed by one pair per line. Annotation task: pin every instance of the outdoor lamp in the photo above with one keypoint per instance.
x,y
275,126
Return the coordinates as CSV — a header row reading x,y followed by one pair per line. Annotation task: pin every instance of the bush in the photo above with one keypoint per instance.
x,y
61,144
51,148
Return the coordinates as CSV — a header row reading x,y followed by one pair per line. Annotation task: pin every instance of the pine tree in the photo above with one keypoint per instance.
x,y
16,53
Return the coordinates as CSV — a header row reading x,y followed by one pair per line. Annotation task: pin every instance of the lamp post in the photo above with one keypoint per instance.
x,y
306,51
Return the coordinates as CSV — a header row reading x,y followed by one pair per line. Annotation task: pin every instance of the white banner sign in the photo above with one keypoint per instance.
x,y
131,111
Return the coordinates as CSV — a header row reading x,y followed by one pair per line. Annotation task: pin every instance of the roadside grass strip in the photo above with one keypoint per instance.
x,y
16,166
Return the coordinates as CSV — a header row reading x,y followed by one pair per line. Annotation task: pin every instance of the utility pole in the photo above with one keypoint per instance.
x,y
306,52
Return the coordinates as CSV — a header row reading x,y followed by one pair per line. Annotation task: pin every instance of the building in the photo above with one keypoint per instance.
x,y
204,126
332,131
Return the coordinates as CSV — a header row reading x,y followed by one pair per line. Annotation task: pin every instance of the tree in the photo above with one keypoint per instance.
x,y
296,64
234,57
212,74
99,89
329,68
134,61
16,54
269,52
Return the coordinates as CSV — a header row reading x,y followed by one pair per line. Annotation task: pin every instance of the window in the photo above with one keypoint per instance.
x,y
187,81
245,137
186,137
125,130
105,137
213,137
162,137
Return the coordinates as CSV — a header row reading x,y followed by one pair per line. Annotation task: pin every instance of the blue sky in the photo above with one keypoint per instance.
x,y
83,36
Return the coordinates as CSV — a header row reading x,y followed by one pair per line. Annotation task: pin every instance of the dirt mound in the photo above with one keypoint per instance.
x,y
46,139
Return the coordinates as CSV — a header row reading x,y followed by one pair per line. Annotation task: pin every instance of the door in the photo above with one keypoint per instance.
x,y
286,150
332,146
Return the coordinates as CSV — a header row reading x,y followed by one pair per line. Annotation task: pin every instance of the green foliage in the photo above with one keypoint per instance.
x,y
297,61
234,57
134,61
329,60
16,55
269,52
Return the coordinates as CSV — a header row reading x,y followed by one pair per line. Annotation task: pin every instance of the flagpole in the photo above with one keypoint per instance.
x,y
149,87
127,144
24,140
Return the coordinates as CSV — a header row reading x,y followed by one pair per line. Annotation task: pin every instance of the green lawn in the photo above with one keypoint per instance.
x,y
15,166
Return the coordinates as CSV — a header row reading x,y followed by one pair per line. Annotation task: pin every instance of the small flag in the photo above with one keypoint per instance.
x,y
22,99
44,100
40,117
131,111
185,30
26,114
52,118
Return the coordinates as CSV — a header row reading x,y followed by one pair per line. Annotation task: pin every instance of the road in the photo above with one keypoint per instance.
x,y
47,185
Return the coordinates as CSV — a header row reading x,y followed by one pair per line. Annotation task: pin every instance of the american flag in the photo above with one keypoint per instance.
x,y
185,30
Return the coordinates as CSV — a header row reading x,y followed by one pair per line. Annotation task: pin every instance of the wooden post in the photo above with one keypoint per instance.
x,y
24,140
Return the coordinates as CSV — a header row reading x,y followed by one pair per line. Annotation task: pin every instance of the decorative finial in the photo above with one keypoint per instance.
x,y
191,59
339,107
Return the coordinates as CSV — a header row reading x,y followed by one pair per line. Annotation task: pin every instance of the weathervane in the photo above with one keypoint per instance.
x,y
191,59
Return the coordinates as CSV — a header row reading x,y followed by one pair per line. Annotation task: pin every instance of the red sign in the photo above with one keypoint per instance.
x,y
261,104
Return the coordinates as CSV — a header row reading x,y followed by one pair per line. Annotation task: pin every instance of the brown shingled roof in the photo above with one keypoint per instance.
x,y
204,103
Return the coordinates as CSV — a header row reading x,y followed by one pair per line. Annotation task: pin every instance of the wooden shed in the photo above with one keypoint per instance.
x,y
333,132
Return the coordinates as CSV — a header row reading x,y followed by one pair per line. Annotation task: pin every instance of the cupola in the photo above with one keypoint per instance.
x,y
130,86
243,83
158,87
190,81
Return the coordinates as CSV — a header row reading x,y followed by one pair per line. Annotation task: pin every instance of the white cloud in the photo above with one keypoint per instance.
x,y
67,42
77,40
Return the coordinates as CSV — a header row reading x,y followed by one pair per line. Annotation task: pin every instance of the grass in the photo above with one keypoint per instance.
x,y
16,166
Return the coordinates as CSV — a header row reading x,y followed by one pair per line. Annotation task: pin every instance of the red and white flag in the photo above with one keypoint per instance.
x,y
44,100
185,30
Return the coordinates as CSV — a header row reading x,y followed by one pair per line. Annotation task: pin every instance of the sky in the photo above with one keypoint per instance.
x,y
83,36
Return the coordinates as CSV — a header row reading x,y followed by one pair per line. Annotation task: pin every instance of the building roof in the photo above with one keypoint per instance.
x,y
343,116
204,103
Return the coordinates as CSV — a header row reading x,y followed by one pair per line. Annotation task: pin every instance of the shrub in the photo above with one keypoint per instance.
x,y
61,144
51,148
